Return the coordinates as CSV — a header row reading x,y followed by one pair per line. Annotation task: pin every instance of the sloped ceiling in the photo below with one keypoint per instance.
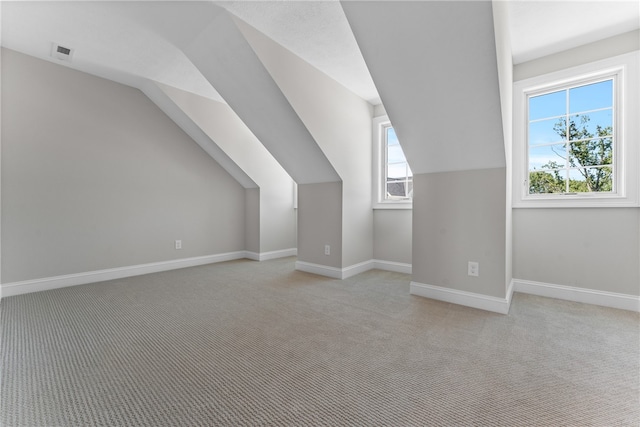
x,y
227,60
436,70
116,35
130,41
316,31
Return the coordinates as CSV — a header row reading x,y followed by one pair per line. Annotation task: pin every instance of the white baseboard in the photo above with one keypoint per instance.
x,y
570,293
469,299
352,270
322,270
36,285
398,267
358,268
265,256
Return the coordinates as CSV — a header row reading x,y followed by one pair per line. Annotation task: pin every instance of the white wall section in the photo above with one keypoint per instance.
x,y
504,58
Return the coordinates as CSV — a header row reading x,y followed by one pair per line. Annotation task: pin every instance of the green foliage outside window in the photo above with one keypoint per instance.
x,y
589,155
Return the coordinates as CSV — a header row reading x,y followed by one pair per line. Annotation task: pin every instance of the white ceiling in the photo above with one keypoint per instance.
x,y
121,37
540,28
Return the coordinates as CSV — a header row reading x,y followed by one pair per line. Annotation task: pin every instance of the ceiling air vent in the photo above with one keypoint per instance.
x,y
61,52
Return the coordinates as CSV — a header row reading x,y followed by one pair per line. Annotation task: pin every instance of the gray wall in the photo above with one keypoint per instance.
x,y
596,248
460,217
252,220
392,230
95,176
320,223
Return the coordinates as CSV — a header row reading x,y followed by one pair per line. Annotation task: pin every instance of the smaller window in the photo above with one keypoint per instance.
x,y
398,179
393,179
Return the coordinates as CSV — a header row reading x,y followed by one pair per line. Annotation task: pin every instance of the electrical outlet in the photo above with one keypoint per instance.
x,y
178,244
473,269
327,249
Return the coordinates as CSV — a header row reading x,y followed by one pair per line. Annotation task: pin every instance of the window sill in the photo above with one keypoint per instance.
x,y
393,205
576,202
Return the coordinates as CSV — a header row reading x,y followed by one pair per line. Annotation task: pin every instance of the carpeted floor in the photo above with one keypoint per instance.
x,y
248,343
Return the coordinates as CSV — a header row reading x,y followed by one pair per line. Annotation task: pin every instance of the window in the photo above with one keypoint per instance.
x,y
576,138
393,179
398,179
571,139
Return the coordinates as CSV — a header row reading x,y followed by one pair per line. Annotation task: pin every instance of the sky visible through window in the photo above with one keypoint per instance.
x,y
399,178
396,161
571,136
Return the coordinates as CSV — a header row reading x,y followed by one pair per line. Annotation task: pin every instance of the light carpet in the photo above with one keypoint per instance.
x,y
245,343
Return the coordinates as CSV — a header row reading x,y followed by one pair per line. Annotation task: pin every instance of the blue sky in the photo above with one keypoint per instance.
x,y
545,111
397,163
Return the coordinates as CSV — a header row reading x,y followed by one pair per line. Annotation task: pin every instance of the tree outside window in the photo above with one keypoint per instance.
x,y
571,140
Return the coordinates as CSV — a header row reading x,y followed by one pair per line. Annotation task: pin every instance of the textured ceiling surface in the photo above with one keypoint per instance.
x,y
131,38
540,28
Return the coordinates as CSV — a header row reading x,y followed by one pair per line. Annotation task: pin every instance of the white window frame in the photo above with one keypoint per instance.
x,y
625,70
380,124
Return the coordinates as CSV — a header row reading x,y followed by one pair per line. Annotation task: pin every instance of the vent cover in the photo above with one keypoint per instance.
x,y
61,52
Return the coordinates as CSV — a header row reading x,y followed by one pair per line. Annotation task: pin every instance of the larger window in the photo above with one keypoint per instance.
x,y
572,140
576,132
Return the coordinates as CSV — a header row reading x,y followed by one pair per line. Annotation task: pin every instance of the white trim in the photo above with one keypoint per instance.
x,y
44,284
264,256
586,296
398,267
469,299
358,268
352,270
254,256
322,270
334,272
282,253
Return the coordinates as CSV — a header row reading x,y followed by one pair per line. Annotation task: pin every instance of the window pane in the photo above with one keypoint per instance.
x,y
397,170
591,97
591,180
597,123
397,189
392,139
547,157
547,182
546,131
548,105
395,154
595,152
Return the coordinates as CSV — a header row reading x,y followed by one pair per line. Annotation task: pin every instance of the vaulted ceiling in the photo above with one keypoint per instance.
x,y
123,38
